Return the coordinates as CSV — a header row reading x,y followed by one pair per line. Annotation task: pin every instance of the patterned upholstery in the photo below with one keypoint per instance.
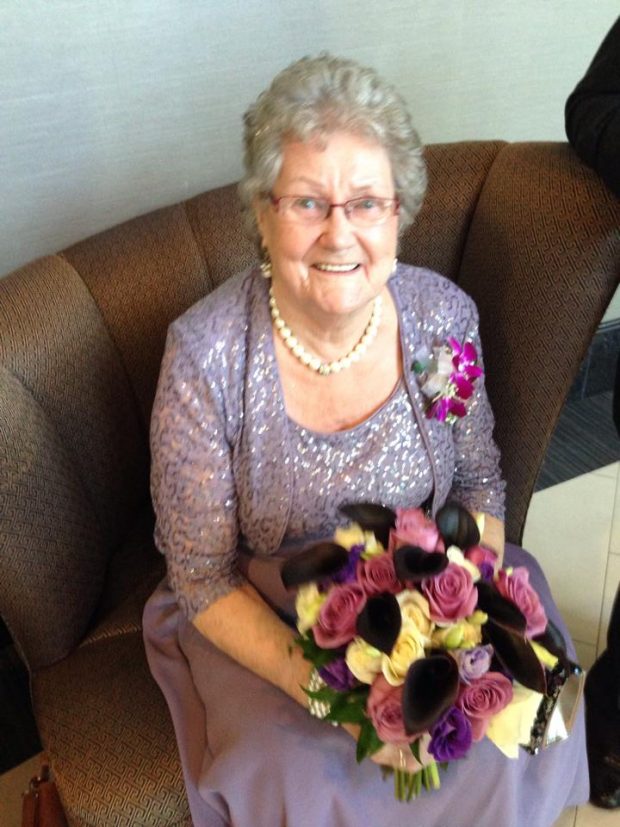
x,y
524,228
542,261
456,175
105,724
51,547
54,339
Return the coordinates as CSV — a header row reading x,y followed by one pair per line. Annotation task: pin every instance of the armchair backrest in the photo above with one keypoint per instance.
x,y
529,232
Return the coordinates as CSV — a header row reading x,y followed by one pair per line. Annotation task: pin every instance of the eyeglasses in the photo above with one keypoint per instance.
x,y
366,211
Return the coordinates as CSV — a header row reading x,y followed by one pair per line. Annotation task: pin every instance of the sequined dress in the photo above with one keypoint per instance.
x,y
237,486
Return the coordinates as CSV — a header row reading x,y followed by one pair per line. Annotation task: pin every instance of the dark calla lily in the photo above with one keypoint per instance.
x,y
430,688
457,526
412,563
499,608
316,562
379,622
372,517
515,654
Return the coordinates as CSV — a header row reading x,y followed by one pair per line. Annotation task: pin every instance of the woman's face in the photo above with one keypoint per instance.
x,y
333,267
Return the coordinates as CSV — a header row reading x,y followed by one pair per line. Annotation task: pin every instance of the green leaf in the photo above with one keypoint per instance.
x,y
349,698
317,656
368,742
415,749
325,693
347,714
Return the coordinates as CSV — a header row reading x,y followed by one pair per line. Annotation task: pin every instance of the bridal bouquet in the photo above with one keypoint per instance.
x,y
416,638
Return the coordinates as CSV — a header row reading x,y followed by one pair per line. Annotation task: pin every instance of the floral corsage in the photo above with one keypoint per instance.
x,y
447,375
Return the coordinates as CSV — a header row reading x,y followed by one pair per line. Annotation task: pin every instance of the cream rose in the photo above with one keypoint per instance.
x,y
414,608
308,605
363,660
409,646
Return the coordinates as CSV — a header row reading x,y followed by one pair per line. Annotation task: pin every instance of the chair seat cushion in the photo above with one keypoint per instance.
x,y
107,731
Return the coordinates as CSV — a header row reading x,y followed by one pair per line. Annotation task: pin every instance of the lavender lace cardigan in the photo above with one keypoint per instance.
x,y
221,473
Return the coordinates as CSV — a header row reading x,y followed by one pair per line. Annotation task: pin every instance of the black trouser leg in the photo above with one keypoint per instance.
x,y
613,643
602,695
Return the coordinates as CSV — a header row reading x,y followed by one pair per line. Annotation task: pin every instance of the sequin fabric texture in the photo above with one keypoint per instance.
x,y
229,469
381,460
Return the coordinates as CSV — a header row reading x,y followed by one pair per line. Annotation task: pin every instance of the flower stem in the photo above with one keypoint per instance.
x,y
433,775
399,785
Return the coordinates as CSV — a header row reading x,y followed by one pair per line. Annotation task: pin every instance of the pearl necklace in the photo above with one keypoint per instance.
x,y
313,362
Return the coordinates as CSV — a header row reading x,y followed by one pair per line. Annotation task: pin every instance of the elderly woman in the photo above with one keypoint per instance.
x,y
284,394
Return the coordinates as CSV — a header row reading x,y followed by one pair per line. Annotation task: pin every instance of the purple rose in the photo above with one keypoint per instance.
x,y
385,709
516,588
450,736
338,616
451,594
473,663
414,528
348,573
377,575
338,675
483,699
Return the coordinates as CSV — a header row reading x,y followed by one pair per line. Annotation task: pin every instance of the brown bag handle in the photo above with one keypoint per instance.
x,y
41,805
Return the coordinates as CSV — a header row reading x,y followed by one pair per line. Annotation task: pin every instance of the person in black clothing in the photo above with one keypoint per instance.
x,y
593,129
593,112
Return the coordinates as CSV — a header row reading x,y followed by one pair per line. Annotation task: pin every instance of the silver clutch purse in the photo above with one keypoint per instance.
x,y
558,709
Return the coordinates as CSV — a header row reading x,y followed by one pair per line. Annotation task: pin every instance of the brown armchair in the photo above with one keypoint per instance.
x,y
524,228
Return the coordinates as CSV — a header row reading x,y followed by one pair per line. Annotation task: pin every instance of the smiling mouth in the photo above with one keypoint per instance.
x,y
336,268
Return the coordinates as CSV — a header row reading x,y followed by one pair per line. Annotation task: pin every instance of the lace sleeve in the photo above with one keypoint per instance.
x,y
192,483
477,483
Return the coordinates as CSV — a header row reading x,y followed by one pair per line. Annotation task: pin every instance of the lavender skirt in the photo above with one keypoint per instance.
x,y
254,758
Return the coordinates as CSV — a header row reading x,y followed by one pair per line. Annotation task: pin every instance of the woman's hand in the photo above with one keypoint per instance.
x,y
398,758
493,537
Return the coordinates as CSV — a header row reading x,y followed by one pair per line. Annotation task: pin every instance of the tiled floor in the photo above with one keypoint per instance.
x,y
574,530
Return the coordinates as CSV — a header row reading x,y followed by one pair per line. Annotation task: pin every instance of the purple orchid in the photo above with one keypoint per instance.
x,y
448,378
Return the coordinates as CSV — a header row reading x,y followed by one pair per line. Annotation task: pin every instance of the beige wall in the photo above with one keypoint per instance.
x,y
110,109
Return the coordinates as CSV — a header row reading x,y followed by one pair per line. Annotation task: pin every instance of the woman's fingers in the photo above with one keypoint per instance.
x,y
399,758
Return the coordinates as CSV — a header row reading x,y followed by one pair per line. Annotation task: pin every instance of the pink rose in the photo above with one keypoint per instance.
x,y
377,575
479,555
338,616
451,595
385,710
516,588
414,528
483,699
